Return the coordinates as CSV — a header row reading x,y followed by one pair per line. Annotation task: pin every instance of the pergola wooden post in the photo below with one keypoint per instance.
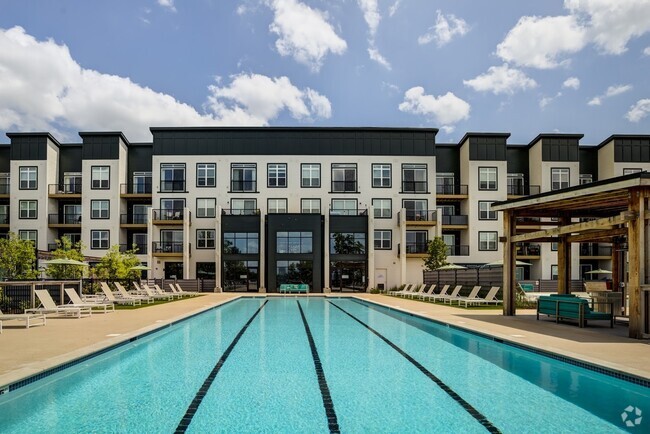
x,y
509,264
636,257
563,261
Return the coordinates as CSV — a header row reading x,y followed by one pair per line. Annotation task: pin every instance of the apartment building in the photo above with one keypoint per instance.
x,y
338,208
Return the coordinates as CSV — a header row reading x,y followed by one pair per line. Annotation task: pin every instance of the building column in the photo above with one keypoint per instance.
x,y
402,241
509,265
563,261
152,267
218,246
636,256
326,254
187,217
371,249
261,269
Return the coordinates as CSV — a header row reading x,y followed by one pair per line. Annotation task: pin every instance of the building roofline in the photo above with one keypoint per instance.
x,y
479,134
554,135
104,133
35,134
285,128
623,136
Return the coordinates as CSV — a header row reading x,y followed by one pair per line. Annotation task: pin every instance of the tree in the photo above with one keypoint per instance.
x,y
116,265
17,258
66,250
436,254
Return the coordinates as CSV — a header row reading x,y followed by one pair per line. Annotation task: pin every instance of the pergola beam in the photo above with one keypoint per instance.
x,y
624,217
597,235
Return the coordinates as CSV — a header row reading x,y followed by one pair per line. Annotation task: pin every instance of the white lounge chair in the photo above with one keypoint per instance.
x,y
419,290
30,319
125,294
154,295
119,300
158,290
472,296
94,302
182,291
490,298
49,306
443,297
407,289
431,292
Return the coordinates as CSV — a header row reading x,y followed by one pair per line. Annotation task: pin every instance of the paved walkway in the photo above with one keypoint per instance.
x,y
27,352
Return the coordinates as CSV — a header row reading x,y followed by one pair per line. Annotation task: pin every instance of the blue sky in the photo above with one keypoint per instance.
x,y
524,67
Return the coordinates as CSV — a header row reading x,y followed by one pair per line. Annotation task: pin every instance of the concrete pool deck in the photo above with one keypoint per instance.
x,y
25,352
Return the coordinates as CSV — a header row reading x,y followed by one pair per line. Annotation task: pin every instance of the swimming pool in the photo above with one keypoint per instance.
x,y
321,365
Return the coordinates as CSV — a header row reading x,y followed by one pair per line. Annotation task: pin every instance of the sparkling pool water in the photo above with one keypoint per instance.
x,y
310,365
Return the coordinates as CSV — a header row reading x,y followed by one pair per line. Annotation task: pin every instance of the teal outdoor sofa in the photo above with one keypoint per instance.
x,y
568,306
294,288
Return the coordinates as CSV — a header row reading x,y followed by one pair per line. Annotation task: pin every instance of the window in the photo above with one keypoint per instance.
x,y
630,171
72,182
72,214
30,235
28,209
310,206
294,242
99,240
344,178
99,209
140,213
206,207
241,243
553,272
172,177
516,184
344,207
450,241
171,241
171,209
487,240
294,272
414,178
243,206
140,241
554,247
487,178
243,177
277,175
205,238
206,175
347,243
276,206
445,183
485,212
416,241
383,239
559,178
4,214
4,183
28,178
100,177
416,209
310,175
383,208
586,178
206,270
381,176
141,183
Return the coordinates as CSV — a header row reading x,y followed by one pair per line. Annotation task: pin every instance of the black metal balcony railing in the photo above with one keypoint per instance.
x,y
243,186
453,220
4,219
523,190
167,247
349,212
344,186
133,219
416,248
64,188
137,188
167,214
420,215
240,211
529,250
140,248
414,186
64,219
457,189
587,249
170,186
4,186
457,250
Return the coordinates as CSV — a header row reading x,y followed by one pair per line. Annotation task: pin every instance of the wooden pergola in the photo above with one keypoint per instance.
x,y
614,211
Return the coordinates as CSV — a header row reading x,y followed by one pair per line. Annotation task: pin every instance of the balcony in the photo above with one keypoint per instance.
x,y
522,190
64,220
419,217
451,192
141,249
69,190
528,251
133,220
4,220
416,250
165,248
241,211
414,187
457,250
243,186
595,251
349,212
176,185
167,216
457,221
344,187
4,187
141,190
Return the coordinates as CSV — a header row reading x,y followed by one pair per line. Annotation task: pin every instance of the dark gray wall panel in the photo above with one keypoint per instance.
x,y
140,158
517,157
559,149
28,147
100,146
635,150
448,159
5,158
69,159
589,161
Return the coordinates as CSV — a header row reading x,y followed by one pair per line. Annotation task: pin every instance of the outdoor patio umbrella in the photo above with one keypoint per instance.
x,y
499,263
66,261
599,271
140,267
451,267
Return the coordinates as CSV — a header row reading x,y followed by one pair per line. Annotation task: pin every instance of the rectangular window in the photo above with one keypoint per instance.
x,y
205,238
140,242
445,183
347,243
344,207
516,184
172,177
294,242
206,270
553,272
487,178
243,177
4,214
141,183
100,177
171,241
276,206
243,206
310,206
417,241
554,247
72,182
485,212
28,209
140,213
99,209
206,207
310,175
206,175
383,239
487,241
344,178
30,235
28,177
277,175
171,209
560,178
72,214
241,243
381,175
383,208
99,240
586,178
416,209
414,178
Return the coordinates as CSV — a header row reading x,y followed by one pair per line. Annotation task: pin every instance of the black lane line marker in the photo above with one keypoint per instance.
x,y
194,405
466,405
332,421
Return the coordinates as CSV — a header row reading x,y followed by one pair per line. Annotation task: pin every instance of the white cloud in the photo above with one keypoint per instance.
x,y
445,29
639,110
304,33
571,83
646,51
548,99
169,4
371,15
501,79
394,7
610,92
66,97
540,42
378,57
445,109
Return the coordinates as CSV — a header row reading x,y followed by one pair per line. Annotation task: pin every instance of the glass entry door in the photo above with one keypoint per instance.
x,y
173,270
348,276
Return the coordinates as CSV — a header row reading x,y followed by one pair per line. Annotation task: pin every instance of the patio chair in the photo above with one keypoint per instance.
x,y
30,319
431,292
443,297
118,300
472,296
407,288
125,294
49,306
419,290
77,301
154,295
158,290
490,298
182,291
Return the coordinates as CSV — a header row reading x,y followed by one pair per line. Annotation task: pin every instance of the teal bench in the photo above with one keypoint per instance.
x,y
568,306
294,287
